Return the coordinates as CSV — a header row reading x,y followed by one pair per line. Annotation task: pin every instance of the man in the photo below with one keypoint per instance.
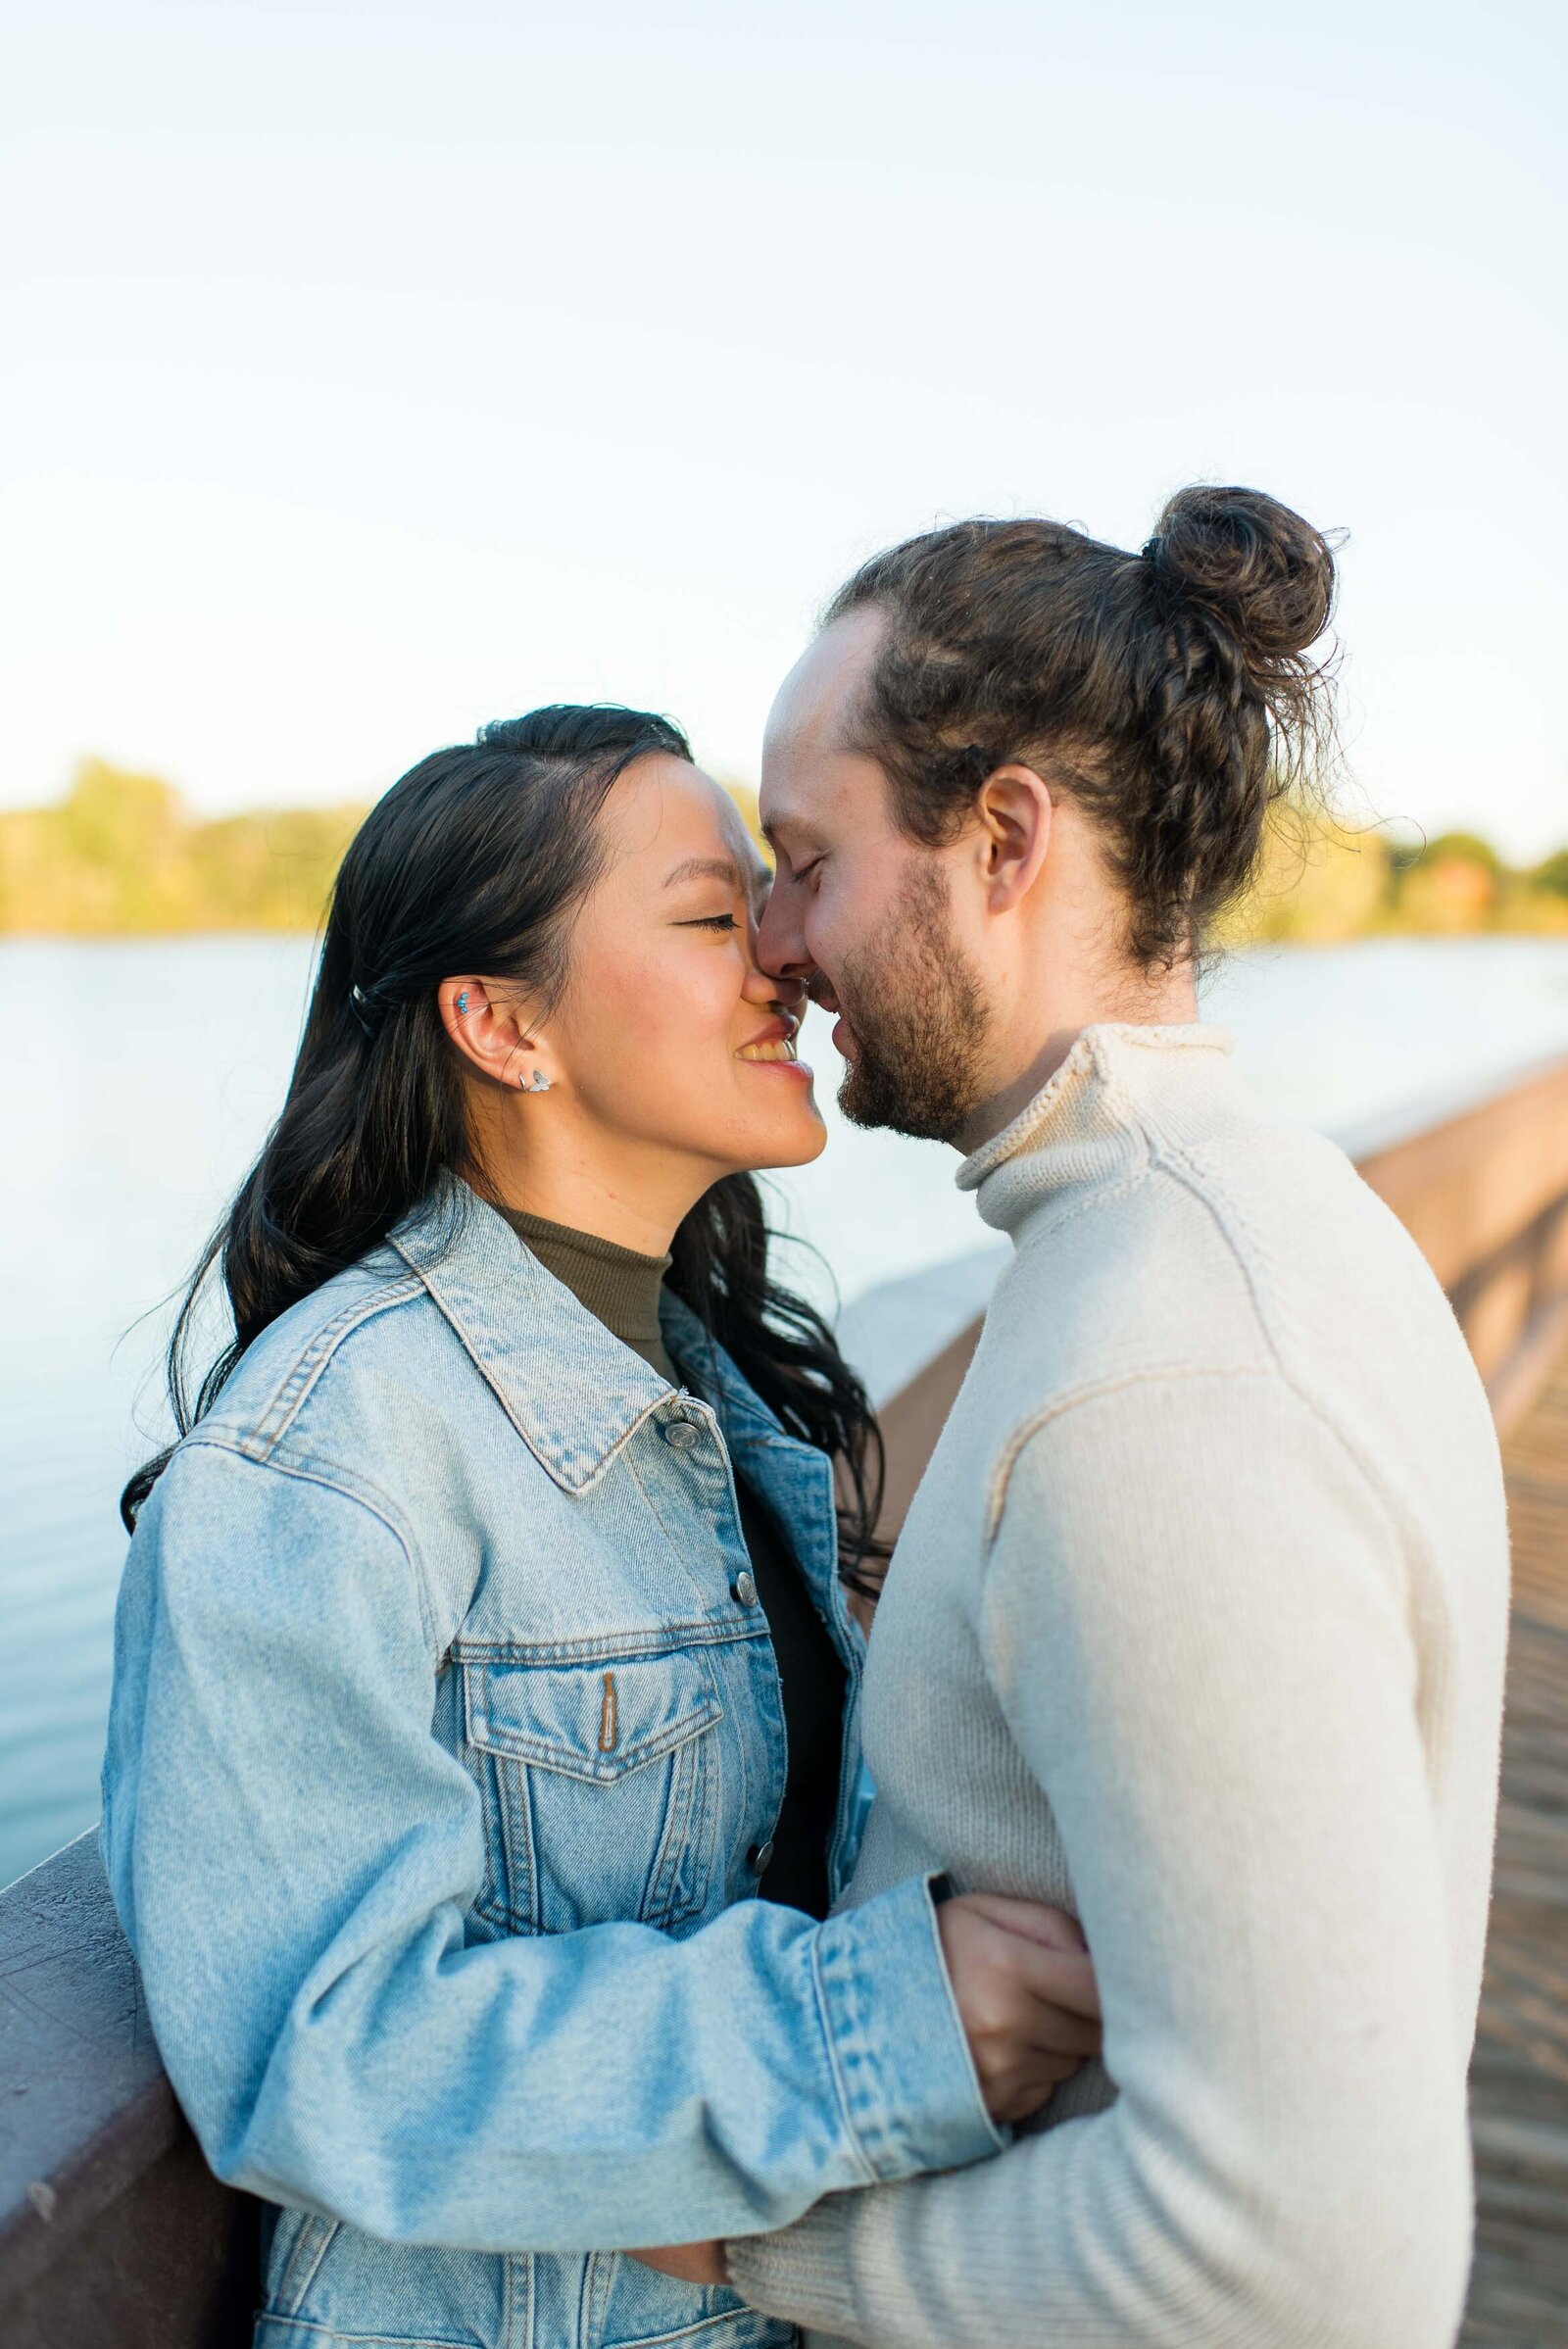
x,y
1196,1623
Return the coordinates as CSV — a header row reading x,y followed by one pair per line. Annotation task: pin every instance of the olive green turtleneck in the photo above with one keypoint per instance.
x,y
621,1288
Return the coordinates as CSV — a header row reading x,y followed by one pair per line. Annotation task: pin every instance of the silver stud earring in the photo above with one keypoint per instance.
x,y
538,1083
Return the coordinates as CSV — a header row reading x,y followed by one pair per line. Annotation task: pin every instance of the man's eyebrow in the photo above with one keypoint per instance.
x,y
706,868
785,821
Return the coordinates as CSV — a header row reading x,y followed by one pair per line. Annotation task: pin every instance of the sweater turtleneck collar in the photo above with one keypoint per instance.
x,y
1097,1118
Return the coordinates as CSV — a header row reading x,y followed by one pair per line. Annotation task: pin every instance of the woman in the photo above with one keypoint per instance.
x,y
448,1741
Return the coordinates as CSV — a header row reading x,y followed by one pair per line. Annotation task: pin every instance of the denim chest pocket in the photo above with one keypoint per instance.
x,y
599,1786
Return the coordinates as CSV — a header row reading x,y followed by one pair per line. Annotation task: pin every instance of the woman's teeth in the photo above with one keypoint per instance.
x,y
783,1049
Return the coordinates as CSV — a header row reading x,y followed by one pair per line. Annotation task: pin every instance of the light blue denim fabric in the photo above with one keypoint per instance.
x,y
445,1724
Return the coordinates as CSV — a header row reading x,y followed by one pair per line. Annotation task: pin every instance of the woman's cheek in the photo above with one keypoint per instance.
x,y
664,1027
710,992
616,1052
683,1020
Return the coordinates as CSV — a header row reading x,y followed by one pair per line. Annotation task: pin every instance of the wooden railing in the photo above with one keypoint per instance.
x,y
1484,1194
113,2233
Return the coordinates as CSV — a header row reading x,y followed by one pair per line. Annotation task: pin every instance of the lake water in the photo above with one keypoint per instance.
x,y
139,1077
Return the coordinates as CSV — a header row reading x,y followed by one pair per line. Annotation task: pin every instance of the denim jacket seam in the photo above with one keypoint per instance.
x,y
517,2286
693,2331
304,2261
671,1639
331,2338
360,1492
272,1422
646,1485
869,2171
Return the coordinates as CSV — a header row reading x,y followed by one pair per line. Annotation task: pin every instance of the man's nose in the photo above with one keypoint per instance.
x,y
781,948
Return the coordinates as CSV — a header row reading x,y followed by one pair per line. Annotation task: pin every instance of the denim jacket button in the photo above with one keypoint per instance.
x,y
680,1435
742,1590
760,1856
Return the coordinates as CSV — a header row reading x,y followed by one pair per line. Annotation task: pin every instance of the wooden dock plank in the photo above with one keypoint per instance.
x,y
1519,2079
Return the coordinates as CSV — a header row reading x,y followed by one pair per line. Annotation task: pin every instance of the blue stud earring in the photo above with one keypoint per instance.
x,y
539,1083
462,1001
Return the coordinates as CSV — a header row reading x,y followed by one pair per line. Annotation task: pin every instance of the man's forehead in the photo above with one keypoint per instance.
x,y
811,706
753,867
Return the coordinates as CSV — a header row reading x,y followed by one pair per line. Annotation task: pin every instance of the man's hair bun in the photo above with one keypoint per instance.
x,y
1175,694
1262,571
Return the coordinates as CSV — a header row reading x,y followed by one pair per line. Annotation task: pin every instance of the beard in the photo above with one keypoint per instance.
x,y
919,1018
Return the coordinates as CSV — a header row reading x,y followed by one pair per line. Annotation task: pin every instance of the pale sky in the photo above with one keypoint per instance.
x,y
372,370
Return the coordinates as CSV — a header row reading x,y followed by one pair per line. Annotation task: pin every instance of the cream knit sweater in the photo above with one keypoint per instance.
x,y
1196,1628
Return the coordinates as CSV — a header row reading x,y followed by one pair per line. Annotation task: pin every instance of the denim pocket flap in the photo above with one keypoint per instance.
x,y
593,1721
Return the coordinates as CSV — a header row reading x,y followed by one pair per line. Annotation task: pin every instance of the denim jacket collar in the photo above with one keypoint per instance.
x,y
571,1389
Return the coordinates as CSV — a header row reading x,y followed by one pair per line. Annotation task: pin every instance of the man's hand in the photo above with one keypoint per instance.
x,y
688,2263
1026,1996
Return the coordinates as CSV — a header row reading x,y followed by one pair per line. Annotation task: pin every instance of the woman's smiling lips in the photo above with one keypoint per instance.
x,y
773,1047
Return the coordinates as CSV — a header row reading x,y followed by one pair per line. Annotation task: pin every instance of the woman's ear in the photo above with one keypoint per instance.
x,y
1014,810
492,1026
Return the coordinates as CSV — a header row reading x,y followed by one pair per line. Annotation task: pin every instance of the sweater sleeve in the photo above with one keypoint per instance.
x,y
1193,1613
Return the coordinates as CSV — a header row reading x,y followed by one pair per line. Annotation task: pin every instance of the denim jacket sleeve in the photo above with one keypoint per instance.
x,y
292,1853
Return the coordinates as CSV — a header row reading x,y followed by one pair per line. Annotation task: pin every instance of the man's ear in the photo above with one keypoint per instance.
x,y
1014,810
490,1025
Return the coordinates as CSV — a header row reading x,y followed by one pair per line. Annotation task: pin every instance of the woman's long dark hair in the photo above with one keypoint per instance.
x,y
476,859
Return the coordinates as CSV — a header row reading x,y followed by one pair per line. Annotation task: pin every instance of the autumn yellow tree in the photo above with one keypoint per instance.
x,y
122,854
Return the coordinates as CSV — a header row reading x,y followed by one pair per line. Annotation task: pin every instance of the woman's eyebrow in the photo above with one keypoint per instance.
x,y
706,868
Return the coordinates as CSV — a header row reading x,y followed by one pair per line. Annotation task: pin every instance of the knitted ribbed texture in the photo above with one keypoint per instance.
x,y
1195,1627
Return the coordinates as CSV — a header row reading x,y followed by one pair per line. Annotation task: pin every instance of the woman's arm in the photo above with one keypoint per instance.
x,y
292,1853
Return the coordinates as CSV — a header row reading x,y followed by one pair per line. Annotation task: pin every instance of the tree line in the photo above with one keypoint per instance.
x,y
1322,879
120,855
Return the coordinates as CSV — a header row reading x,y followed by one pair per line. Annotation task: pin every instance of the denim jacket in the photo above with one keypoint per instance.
x,y
446,1731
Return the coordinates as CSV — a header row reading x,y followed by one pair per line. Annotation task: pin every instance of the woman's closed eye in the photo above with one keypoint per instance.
x,y
711,921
